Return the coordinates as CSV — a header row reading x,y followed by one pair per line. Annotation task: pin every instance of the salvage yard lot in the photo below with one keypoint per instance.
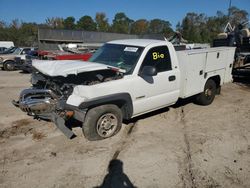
x,y
186,145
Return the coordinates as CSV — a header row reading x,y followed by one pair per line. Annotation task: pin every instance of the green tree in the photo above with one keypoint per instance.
x,y
139,27
69,22
28,34
102,22
5,34
160,26
216,25
86,23
193,27
3,30
12,32
121,23
21,33
200,28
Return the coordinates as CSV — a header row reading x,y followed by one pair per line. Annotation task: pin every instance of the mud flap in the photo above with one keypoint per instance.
x,y
60,123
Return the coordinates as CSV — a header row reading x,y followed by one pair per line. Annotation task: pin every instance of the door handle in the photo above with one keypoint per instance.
x,y
171,78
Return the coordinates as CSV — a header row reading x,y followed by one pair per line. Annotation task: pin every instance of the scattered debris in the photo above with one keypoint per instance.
x,y
37,135
22,126
53,154
21,122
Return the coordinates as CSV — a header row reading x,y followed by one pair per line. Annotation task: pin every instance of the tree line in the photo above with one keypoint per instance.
x,y
194,27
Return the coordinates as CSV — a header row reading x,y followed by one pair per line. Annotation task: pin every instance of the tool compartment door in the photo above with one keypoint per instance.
x,y
192,67
216,60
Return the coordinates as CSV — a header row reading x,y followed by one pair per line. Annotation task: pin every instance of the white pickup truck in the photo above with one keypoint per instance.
x,y
123,79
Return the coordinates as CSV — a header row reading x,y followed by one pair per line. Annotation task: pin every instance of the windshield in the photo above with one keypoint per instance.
x,y
9,50
117,55
17,51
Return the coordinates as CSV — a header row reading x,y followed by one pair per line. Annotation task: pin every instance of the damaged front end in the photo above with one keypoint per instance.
x,y
44,104
46,99
37,102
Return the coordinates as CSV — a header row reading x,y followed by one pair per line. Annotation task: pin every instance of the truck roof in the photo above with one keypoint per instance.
x,y
135,42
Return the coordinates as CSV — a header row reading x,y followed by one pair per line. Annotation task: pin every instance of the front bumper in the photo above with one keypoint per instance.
x,y
44,104
25,68
24,65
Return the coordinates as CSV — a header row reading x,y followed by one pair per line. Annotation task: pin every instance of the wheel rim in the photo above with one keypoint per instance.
x,y
209,93
9,66
106,125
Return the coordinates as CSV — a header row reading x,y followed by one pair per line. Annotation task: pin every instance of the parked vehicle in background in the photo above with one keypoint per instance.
x,y
6,44
7,61
24,65
122,80
238,36
70,52
68,56
8,50
2,49
42,53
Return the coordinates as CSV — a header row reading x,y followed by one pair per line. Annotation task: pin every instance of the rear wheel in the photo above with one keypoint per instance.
x,y
207,96
102,122
9,66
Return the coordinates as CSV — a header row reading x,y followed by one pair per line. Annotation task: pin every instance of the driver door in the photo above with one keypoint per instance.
x,y
154,92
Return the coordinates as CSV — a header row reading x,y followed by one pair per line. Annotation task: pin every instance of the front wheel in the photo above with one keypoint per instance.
x,y
9,66
102,122
208,95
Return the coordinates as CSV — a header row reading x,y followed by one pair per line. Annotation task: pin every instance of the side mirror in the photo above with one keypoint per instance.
x,y
148,71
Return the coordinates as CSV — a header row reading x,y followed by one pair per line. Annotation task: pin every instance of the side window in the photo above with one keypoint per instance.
x,y
25,51
158,57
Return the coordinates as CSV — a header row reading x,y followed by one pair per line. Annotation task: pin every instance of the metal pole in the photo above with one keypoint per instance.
x,y
230,4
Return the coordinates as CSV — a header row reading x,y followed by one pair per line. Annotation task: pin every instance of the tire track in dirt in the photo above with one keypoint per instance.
x,y
124,142
188,176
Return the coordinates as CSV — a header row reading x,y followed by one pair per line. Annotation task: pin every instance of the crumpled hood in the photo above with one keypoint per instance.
x,y
66,67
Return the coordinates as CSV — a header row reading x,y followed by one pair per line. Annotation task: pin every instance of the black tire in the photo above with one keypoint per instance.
x,y
207,96
9,66
102,122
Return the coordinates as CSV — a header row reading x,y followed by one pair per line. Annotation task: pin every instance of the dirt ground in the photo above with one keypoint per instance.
x,y
186,145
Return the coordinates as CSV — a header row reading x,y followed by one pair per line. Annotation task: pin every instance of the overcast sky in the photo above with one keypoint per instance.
x,y
172,11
